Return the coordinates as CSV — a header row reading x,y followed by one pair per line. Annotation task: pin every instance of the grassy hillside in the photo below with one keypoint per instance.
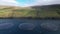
x,y
48,10
16,12
34,11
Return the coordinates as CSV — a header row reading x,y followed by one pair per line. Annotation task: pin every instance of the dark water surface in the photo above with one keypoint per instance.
x,y
37,30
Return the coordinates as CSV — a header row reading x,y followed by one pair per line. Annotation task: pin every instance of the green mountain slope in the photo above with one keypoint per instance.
x,y
33,11
47,10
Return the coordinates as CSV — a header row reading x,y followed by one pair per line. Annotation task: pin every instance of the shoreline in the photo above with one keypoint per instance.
x,y
29,18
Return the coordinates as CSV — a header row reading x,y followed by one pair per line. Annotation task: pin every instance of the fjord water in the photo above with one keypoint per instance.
x,y
37,30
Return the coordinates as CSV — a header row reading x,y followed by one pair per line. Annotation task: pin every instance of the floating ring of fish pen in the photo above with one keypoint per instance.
x,y
27,26
49,26
6,25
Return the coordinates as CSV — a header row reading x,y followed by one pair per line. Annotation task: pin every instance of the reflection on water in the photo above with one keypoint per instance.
x,y
5,23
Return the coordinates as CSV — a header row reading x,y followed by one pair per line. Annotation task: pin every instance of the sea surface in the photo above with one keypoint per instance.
x,y
37,30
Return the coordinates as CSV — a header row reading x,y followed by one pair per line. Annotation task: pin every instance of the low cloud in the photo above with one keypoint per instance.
x,y
36,2
42,2
47,2
9,2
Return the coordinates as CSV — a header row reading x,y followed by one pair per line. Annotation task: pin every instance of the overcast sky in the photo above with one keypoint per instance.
x,y
28,2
